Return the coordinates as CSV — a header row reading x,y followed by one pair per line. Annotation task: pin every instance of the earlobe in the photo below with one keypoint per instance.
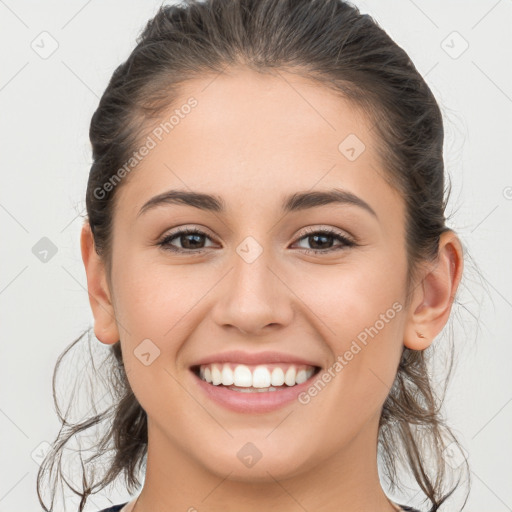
x,y
105,326
433,297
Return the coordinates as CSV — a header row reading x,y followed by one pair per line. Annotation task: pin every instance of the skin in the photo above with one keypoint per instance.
x,y
252,139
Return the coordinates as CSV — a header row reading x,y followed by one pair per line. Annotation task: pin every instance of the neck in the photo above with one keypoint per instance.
x,y
346,481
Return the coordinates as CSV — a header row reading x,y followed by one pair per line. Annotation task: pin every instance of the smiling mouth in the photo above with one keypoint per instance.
x,y
255,378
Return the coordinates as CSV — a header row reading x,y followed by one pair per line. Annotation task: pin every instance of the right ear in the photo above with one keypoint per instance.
x,y
105,326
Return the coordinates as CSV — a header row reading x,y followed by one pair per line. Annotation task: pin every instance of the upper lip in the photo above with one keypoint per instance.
x,y
239,356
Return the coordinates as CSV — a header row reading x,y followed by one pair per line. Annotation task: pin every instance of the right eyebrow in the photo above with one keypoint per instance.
x,y
196,199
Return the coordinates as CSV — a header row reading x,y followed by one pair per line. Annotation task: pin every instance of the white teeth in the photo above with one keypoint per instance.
x,y
301,377
289,378
277,378
216,375
242,376
227,375
260,378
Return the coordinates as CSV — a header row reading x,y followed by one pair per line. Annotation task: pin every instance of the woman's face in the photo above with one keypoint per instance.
x,y
251,282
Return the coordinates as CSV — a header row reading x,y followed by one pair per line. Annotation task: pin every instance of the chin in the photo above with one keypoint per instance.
x,y
263,466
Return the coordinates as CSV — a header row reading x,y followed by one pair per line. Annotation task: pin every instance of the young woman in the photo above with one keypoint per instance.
x,y
268,262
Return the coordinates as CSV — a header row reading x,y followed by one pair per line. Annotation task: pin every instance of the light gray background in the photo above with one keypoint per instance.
x,y
46,105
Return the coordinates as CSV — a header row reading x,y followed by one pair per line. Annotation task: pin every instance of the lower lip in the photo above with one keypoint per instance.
x,y
264,401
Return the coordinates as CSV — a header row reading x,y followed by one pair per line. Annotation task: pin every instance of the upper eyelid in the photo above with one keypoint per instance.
x,y
331,230
187,227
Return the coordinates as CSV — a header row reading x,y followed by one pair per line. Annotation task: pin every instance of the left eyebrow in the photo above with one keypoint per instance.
x,y
294,202
305,200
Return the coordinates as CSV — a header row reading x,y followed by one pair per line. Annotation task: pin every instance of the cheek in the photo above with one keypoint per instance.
x,y
350,298
155,304
359,311
153,298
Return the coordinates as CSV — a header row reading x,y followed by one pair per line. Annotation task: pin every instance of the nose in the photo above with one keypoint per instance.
x,y
253,298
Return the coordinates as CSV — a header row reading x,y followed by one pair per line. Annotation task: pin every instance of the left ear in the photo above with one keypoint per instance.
x,y
432,299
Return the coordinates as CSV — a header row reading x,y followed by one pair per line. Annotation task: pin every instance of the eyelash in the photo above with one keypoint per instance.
x,y
166,245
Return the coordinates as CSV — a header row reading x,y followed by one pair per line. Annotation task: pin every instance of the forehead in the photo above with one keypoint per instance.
x,y
258,134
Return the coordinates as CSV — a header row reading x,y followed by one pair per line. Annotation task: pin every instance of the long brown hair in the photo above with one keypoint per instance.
x,y
331,42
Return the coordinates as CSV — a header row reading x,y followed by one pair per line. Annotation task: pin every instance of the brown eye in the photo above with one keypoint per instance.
x,y
321,241
191,240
